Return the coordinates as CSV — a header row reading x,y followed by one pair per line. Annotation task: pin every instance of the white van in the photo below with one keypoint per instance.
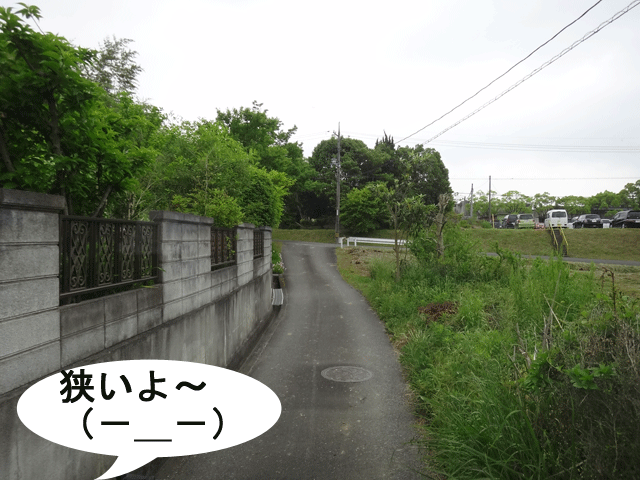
x,y
556,218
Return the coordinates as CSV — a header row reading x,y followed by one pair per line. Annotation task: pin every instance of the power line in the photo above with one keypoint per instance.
x,y
550,178
521,146
540,147
498,78
633,4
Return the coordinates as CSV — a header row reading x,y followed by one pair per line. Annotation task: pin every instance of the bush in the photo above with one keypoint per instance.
x,y
362,211
263,197
462,259
214,203
534,374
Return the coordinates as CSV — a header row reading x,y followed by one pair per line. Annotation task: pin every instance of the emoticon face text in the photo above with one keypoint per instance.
x,y
142,409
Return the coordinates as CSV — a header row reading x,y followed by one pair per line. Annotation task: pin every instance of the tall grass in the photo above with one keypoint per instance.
x,y
532,371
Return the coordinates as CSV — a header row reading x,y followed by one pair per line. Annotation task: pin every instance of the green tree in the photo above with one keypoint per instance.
x,y
630,195
425,171
542,203
202,169
358,165
57,132
420,170
113,66
263,197
362,210
515,202
604,201
139,130
574,205
198,155
481,203
407,213
214,203
264,138
385,150
263,135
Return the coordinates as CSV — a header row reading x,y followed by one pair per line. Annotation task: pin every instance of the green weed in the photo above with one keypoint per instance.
x,y
521,369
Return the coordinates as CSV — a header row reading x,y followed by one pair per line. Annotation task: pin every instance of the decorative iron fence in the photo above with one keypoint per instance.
x,y
223,247
258,243
100,256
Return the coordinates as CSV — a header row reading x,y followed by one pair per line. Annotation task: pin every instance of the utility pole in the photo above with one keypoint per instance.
x,y
490,218
338,176
471,212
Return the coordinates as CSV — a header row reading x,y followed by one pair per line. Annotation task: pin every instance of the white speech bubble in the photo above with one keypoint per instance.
x,y
206,408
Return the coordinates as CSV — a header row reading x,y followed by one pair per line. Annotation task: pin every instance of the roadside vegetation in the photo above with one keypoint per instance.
x,y
604,244
520,368
596,243
276,258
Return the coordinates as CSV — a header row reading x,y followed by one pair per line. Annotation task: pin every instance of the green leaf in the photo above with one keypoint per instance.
x,y
52,54
55,66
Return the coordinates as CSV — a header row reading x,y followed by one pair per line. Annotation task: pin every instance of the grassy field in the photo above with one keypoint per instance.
x,y
535,353
601,244
604,244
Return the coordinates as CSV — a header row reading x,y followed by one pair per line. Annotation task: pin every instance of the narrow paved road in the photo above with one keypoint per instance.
x,y
328,429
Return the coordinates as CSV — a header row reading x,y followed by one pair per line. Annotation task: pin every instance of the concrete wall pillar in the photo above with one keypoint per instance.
x,y
29,286
184,261
262,265
244,249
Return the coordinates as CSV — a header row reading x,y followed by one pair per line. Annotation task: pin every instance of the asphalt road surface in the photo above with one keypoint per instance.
x,y
329,428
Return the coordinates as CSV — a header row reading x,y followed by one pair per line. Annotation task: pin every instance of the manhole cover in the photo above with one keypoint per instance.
x,y
346,374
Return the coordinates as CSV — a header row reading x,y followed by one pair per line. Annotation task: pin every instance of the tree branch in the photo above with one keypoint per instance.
x,y
54,124
4,152
103,202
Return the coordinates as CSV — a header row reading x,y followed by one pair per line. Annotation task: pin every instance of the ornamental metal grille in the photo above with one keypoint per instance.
x,y
100,256
258,243
223,247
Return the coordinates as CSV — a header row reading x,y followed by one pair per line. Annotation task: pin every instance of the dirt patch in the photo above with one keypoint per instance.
x,y
434,311
359,259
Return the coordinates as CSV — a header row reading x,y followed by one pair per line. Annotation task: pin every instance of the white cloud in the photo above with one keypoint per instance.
x,y
375,66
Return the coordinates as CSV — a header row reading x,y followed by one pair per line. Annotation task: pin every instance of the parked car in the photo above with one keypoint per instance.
x,y
626,219
509,221
525,220
589,220
606,223
556,218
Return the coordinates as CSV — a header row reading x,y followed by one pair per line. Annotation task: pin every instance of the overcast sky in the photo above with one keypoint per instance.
x,y
396,66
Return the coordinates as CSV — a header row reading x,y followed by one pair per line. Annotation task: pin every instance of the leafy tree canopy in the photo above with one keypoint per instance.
x,y
424,170
113,66
363,211
630,195
262,134
515,202
358,165
201,169
58,132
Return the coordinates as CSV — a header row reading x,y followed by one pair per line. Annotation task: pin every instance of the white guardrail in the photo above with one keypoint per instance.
x,y
379,241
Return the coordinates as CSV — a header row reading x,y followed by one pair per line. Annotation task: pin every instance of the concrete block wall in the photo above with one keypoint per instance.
x,y
29,288
192,314
262,265
88,328
244,253
184,257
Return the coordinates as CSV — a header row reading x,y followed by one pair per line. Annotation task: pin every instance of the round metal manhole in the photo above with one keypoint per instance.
x,y
346,374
